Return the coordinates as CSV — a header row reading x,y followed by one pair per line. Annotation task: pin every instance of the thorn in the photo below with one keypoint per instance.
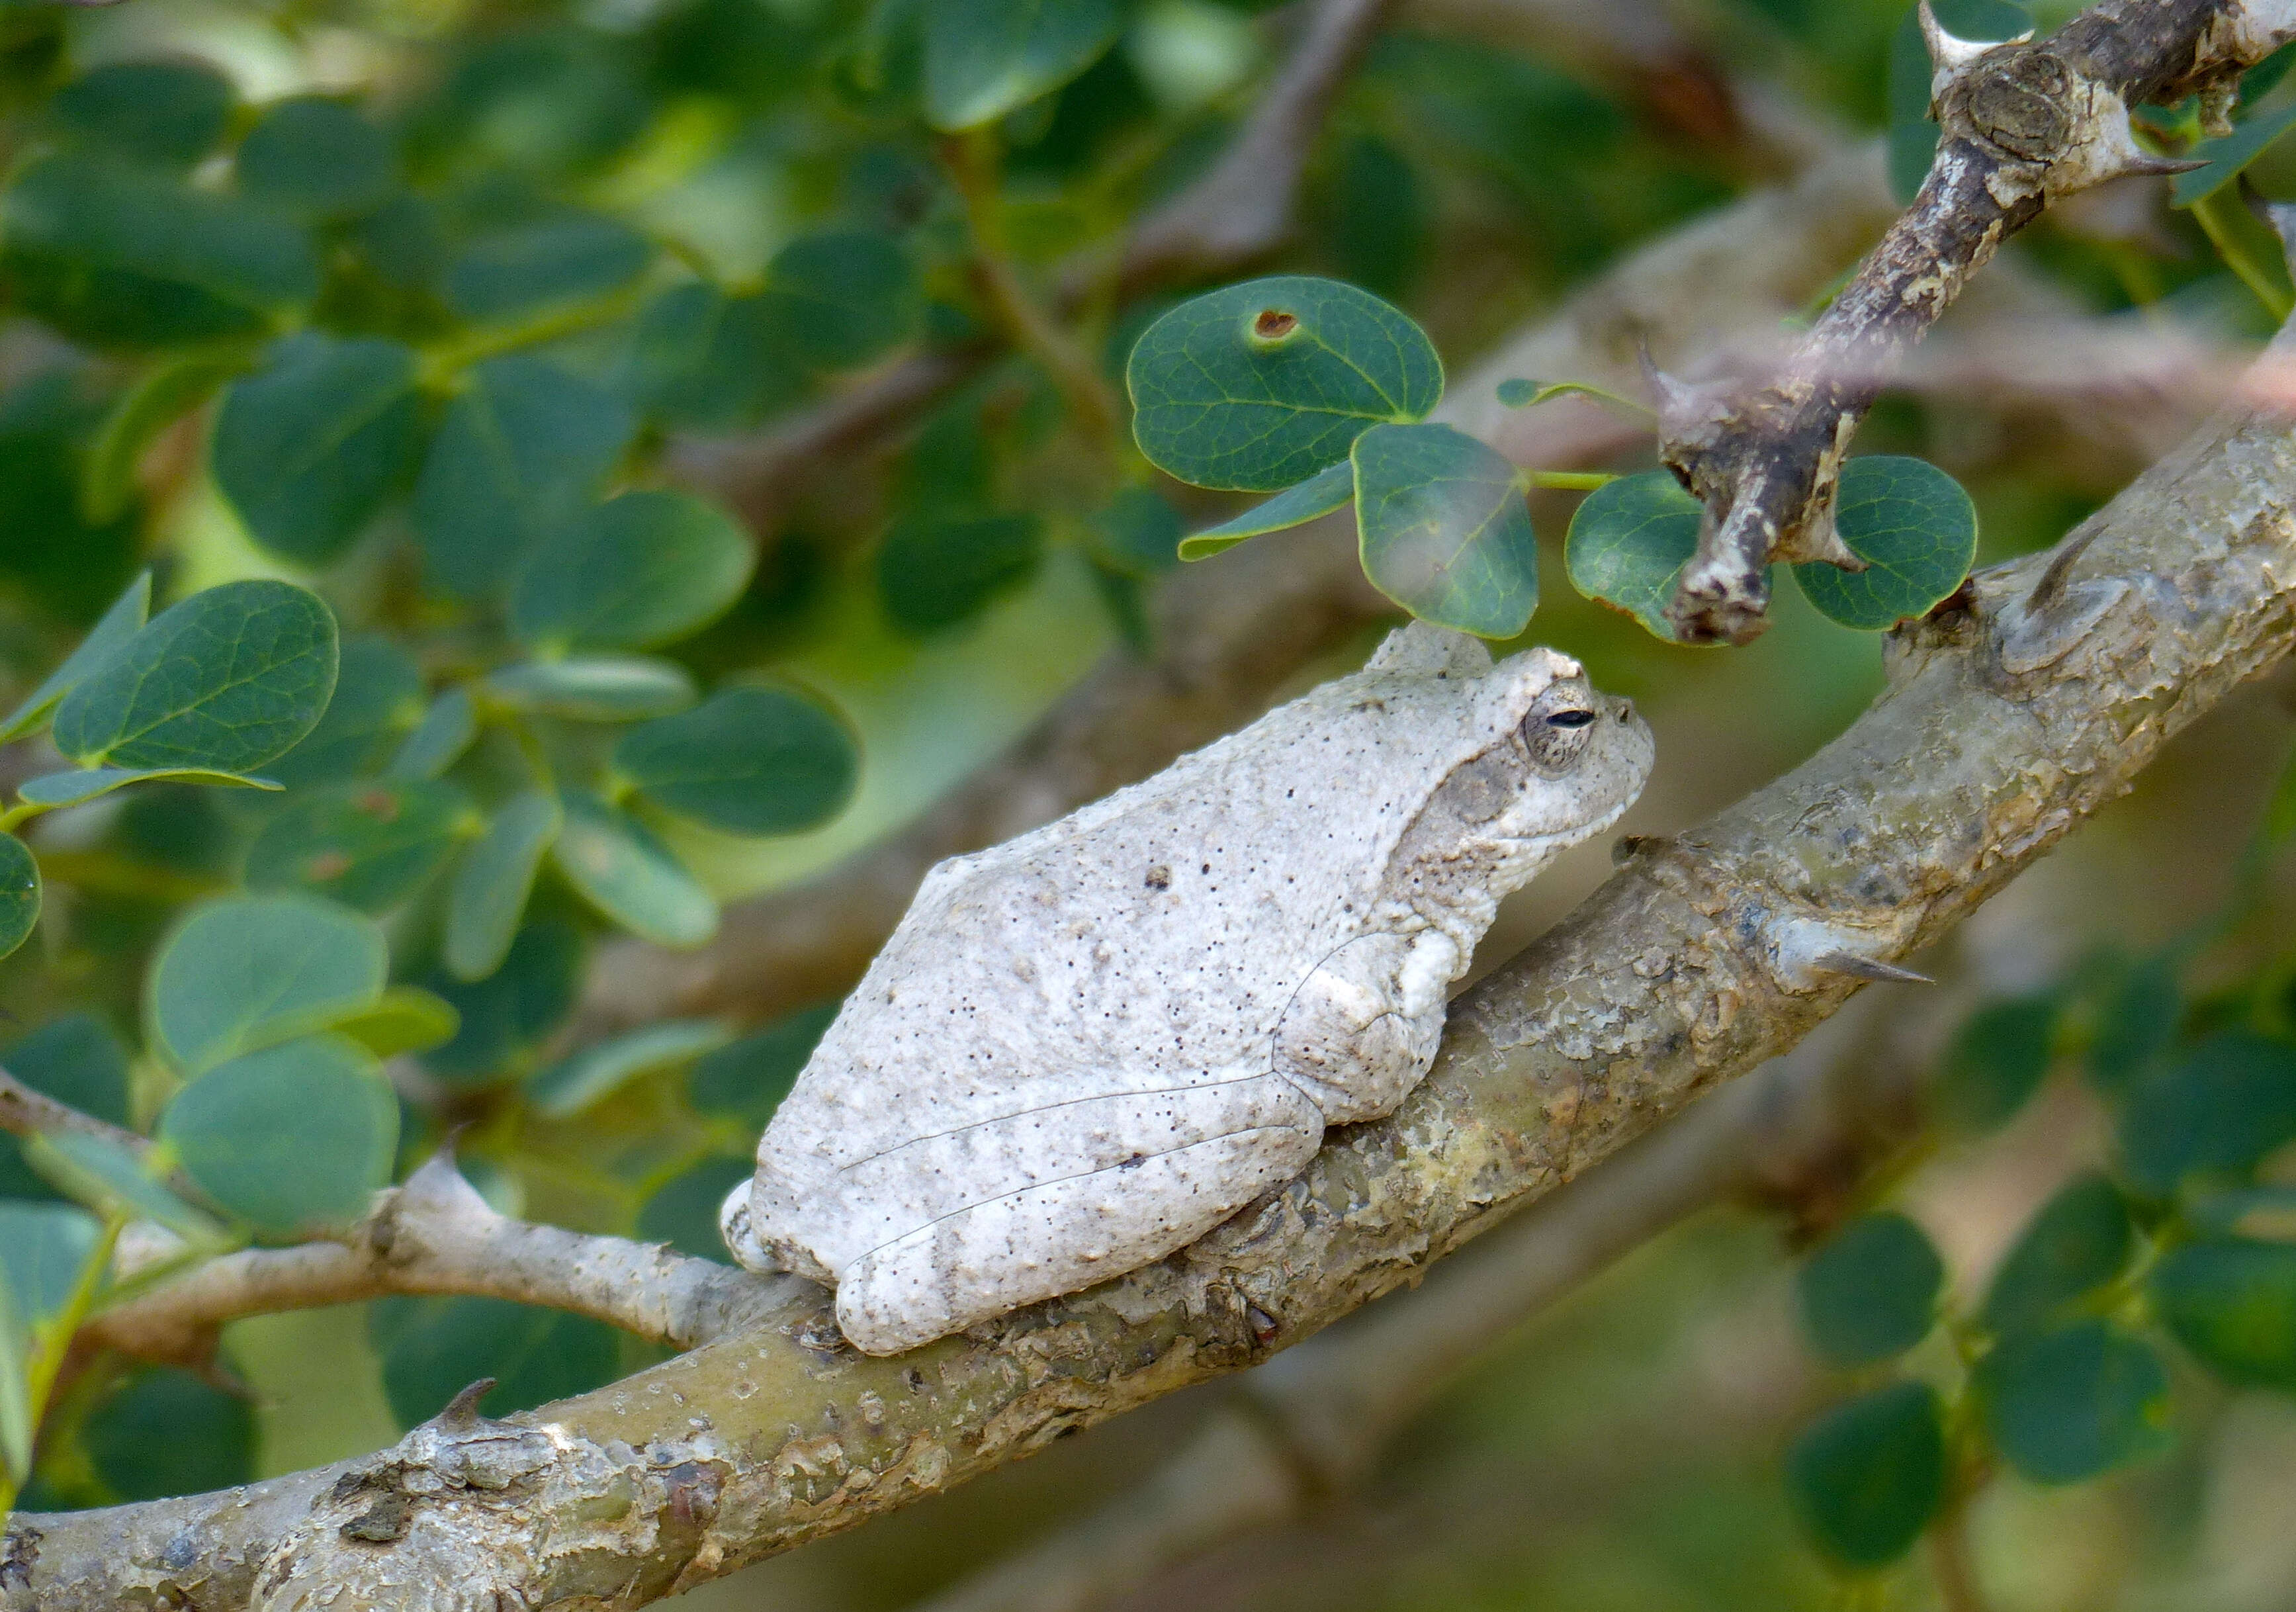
x,y
1863,968
462,1412
1819,541
2051,581
1677,401
1949,54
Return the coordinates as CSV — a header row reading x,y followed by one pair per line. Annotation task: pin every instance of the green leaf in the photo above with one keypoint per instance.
x,y
117,256
2137,1018
1915,528
118,624
309,449
618,865
745,761
983,58
699,358
248,972
75,1059
1329,488
404,1018
1869,1475
174,385
439,740
683,1211
433,1348
836,299
1445,531
317,159
1261,385
226,680
492,885
526,267
594,688
523,448
15,1393
290,1138
166,1433
1629,542
746,1080
1378,224
369,844
512,1012
1996,1061
2267,1214
43,1247
933,573
2233,1305
640,570
110,1180
20,893
2229,1102
169,114
2081,1239
2228,154
2065,1406
574,1083
1870,1290
58,789
1137,533
377,698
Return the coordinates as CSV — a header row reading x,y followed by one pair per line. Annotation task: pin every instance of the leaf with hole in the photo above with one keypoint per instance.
x,y
491,887
745,761
1627,544
1329,488
984,58
523,448
1444,529
635,571
368,844
122,621
246,972
2067,1405
2081,1239
1915,528
1870,1290
20,893
574,1083
2233,1303
224,681
1261,385
291,1139
594,688
618,865
1869,1474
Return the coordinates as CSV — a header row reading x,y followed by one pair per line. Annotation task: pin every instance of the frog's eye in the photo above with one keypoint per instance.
x,y
1554,740
1569,719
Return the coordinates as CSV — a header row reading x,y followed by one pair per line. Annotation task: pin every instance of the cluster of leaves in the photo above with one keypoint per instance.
x,y
1322,390
2059,1371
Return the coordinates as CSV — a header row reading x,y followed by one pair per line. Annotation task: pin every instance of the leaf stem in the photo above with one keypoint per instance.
x,y
1571,480
1951,1563
972,159
2216,218
1512,395
442,362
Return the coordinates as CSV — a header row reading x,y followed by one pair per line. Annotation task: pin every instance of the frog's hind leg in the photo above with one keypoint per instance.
x,y
1362,1029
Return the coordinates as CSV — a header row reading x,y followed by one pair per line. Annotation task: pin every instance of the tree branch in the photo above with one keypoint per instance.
x,y
2006,722
435,1234
24,1112
2023,124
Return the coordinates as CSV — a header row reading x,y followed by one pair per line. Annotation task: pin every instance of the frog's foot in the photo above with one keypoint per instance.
x,y
1361,1031
737,1224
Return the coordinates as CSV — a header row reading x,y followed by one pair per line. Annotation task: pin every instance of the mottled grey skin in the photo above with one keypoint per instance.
x,y
1084,1048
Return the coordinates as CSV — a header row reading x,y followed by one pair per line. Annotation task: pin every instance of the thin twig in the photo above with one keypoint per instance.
x,y
24,1112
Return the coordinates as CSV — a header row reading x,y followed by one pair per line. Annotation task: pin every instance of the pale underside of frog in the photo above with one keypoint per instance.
x,y
1086,1048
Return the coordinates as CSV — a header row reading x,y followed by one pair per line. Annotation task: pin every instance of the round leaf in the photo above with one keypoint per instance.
x,y
746,760
1261,385
307,448
166,113
2224,1106
1915,528
2064,1406
1869,1474
249,971
549,262
378,698
839,298
512,1012
317,159
2234,1304
1870,1290
617,864
684,1213
599,1070
641,569
494,881
295,1136
1996,1061
226,680
2078,1241
983,58
1444,528
594,688
1629,542
369,845
934,574
166,1433
748,1078
20,893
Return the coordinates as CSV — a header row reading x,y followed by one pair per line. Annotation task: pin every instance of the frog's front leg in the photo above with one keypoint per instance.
x,y
1362,1029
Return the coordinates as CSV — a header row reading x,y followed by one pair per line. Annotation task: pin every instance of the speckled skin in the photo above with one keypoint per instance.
x,y
1085,1047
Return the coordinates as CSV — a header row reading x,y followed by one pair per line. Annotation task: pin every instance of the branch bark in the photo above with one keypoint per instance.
x,y
2005,723
2023,124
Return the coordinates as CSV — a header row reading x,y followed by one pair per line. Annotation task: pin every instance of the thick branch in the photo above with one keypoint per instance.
x,y
435,1234
2005,724
2023,124
24,1112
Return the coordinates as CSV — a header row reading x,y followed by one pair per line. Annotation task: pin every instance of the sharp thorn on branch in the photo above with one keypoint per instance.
x,y
1868,968
1819,541
1950,54
462,1412
2051,581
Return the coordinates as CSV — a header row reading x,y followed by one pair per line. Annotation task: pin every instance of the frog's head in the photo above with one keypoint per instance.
x,y
1544,761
